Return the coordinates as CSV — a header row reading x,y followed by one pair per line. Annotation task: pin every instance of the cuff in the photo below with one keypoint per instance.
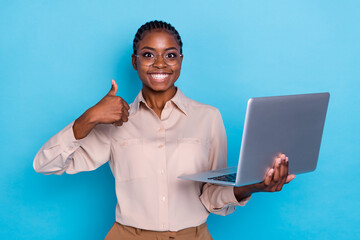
x,y
69,140
234,201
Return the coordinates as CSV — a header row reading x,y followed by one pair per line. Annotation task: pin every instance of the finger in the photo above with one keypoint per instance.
x,y
283,172
118,123
126,105
124,118
279,187
287,180
286,172
282,177
114,88
290,178
287,166
277,170
268,177
283,168
125,112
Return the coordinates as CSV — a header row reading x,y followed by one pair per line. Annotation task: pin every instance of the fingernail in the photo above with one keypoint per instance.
x,y
271,171
287,159
278,162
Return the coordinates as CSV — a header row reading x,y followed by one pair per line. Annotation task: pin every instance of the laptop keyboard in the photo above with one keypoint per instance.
x,y
225,178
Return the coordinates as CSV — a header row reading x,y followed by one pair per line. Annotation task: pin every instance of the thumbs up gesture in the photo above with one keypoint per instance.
x,y
111,109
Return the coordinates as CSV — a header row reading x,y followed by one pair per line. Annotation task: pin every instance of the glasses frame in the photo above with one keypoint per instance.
x,y
136,55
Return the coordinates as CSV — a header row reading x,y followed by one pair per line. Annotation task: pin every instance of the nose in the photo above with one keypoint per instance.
x,y
159,62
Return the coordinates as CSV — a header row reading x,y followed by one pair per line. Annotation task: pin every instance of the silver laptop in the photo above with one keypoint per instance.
x,y
290,124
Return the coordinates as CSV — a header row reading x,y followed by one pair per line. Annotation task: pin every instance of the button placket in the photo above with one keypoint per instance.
x,y
162,178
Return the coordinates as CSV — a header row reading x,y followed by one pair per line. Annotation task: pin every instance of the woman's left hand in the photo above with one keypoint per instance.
x,y
277,176
274,180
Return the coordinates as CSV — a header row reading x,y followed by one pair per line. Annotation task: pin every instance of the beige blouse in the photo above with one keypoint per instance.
x,y
146,156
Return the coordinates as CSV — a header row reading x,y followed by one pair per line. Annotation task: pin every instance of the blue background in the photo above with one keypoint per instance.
x,y
57,59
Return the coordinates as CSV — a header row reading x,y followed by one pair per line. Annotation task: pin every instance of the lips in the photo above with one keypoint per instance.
x,y
159,77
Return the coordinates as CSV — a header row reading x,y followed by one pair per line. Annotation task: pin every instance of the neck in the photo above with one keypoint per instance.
x,y
156,99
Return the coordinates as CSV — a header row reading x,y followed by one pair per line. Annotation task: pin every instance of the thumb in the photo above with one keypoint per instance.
x,y
114,88
290,178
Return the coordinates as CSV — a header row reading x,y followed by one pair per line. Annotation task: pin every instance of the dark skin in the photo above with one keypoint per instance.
x,y
158,81
157,92
111,109
274,180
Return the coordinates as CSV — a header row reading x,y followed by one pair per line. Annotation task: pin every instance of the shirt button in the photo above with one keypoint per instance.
x,y
163,225
162,171
163,198
160,146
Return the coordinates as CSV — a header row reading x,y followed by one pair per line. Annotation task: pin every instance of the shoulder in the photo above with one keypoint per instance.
x,y
198,107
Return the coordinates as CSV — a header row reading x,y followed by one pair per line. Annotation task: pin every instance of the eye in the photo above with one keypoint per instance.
x,y
171,55
148,55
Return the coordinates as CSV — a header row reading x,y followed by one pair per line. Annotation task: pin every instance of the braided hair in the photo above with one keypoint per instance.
x,y
155,25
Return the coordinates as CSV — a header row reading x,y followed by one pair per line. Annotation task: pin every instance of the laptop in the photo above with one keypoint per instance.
x,y
291,124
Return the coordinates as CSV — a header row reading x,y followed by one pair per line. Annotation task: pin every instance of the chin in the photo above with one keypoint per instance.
x,y
160,88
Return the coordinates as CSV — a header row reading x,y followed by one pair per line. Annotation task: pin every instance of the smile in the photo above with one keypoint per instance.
x,y
159,77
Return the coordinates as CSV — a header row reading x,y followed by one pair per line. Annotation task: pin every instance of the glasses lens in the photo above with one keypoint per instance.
x,y
148,58
172,58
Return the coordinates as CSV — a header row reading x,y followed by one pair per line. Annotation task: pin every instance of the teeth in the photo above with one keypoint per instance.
x,y
159,76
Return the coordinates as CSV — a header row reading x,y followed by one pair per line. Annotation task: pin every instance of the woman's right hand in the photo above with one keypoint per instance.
x,y
111,109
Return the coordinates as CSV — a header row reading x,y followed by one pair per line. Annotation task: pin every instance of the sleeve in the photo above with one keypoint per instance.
x,y
64,153
218,199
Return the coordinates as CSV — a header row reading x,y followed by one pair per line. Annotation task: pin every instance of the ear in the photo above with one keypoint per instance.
x,y
181,58
134,61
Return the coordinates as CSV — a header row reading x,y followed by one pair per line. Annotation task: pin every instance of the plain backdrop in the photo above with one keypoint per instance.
x,y
57,59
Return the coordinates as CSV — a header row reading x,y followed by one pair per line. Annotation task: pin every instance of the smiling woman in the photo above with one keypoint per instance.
x,y
158,62
160,136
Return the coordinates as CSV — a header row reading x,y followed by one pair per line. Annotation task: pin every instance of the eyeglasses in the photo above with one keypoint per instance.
x,y
148,58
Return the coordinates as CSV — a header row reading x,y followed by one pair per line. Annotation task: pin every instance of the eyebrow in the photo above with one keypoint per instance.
x,y
153,49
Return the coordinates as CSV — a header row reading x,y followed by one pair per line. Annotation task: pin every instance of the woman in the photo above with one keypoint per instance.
x,y
161,135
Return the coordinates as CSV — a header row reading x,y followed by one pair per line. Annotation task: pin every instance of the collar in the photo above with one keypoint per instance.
x,y
179,99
